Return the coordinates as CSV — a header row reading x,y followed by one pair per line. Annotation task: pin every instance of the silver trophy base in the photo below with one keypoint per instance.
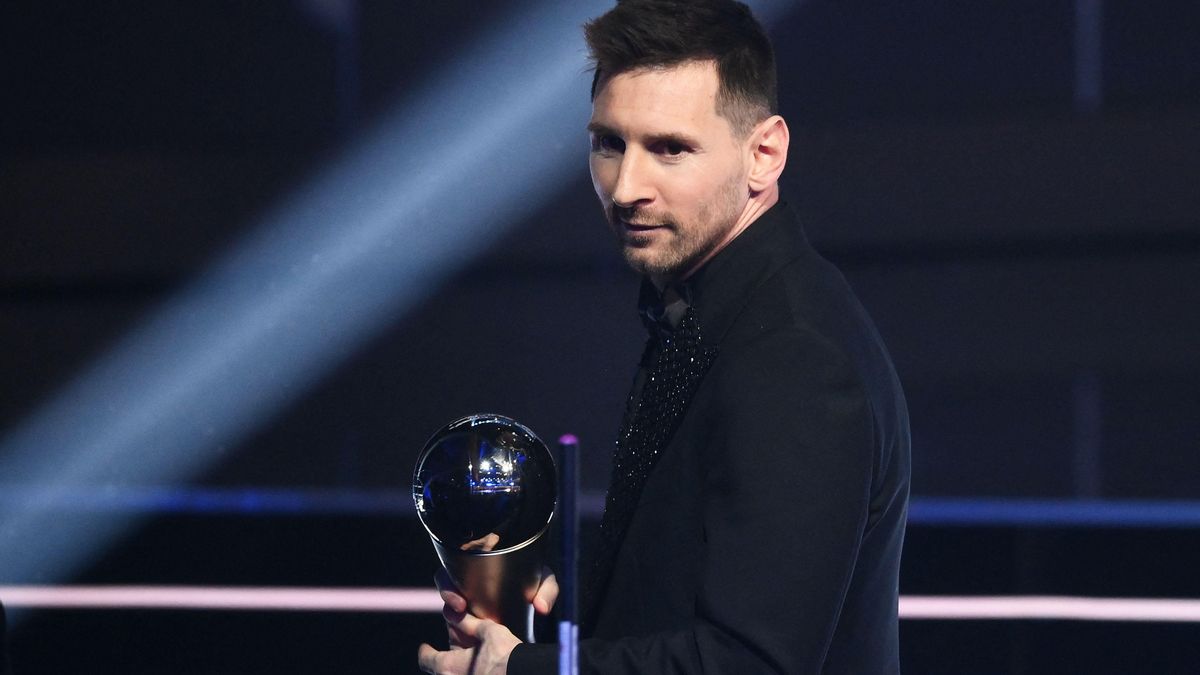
x,y
498,585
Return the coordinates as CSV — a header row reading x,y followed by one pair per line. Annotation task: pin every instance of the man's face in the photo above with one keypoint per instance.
x,y
670,173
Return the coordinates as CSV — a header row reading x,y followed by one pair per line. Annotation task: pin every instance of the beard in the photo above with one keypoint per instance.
x,y
674,250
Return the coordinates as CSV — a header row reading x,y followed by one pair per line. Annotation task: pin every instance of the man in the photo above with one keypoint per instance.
x,y
756,514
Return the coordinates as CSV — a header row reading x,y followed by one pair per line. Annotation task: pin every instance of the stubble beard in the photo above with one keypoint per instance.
x,y
687,243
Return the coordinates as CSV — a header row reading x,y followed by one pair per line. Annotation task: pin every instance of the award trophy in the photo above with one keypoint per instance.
x,y
485,490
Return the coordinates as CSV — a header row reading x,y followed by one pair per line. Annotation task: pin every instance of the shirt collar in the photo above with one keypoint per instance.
x,y
662,312
718,290
721,288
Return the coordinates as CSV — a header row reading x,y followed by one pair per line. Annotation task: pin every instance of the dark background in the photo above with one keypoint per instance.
x,y
1029,247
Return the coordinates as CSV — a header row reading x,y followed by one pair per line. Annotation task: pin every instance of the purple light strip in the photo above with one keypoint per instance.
x,y
1068,608
422,600
224,598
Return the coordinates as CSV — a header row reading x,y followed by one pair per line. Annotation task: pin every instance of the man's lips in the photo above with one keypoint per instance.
x,y
641,227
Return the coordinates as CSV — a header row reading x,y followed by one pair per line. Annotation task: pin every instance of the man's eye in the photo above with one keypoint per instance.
x,y
608,143
670,148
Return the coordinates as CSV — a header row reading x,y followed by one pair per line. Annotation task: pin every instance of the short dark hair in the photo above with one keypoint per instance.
x,y
664,33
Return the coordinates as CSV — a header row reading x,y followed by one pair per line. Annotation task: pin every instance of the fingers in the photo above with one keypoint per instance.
x,y
472,628
427,658
452,662
464,623
456,606
449,592
460,640
547,593
490,654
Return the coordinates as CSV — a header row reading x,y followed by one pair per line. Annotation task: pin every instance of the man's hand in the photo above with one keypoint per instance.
x,y
492,643
477,646
543,599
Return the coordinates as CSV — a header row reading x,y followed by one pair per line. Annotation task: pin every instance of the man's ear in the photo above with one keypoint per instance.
x,y
768,152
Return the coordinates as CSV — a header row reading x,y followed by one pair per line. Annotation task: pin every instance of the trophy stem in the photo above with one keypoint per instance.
x,y
497,584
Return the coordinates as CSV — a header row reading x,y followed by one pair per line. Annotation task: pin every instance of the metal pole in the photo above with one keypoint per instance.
x,y
568,596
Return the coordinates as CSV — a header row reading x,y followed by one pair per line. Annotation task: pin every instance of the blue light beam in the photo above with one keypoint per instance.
x,y
451,170
416,200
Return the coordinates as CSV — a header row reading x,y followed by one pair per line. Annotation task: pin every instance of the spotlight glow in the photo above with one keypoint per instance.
x,y
414,201
440,180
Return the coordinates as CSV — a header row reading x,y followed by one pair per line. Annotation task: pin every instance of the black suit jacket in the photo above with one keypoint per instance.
x,y
767,537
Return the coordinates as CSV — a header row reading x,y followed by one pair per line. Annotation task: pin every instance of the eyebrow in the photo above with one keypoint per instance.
x,y
597,128
686,141
665,137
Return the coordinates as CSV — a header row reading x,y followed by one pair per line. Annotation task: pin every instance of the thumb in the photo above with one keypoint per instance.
x,y
546,595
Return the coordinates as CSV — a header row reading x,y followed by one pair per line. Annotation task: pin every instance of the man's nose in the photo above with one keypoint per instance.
x,y
633,180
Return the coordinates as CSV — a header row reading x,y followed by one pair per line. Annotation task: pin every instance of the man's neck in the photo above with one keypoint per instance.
x,y
758,204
